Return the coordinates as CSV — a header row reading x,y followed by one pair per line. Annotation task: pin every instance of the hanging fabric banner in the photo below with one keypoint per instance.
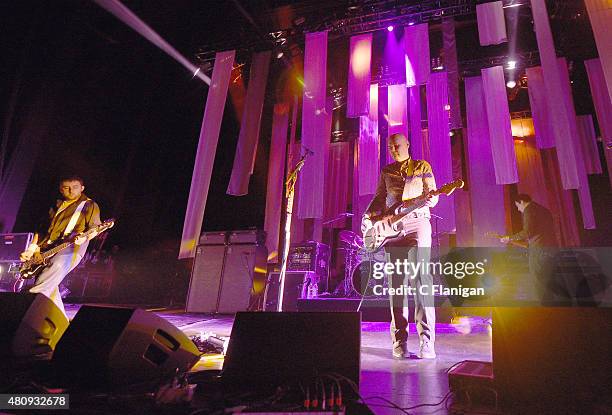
x,y
559,114
545,135
487,197
205,156
337,182
440,147
588,142
293,157
244,160
276,174
584,193
416,46
491,23
357,96
368,147
415,115
600,15
314,123
500,130
601,100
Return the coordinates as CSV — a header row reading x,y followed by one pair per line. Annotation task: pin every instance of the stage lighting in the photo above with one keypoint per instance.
x,y
279,55
511,65
390,28
410,23
511,84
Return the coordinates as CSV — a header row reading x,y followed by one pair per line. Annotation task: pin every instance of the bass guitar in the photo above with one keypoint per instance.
x,y
386,226
518,244
34,266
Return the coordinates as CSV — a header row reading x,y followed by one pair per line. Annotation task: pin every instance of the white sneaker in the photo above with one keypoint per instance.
x,y
426,350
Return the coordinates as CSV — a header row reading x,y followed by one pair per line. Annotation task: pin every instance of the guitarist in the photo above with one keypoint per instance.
x,y
539,233
73,214
402,180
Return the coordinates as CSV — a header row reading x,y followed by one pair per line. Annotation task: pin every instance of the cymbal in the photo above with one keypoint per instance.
x,y
351,238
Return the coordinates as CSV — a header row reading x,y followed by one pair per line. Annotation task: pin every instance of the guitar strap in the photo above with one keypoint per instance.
x,y
75,217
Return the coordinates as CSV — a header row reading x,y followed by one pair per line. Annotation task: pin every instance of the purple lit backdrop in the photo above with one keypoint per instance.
x,y
500,130
276,174
357,99
601,100
440,146
588,142
451,65
314,120
337,182
397,115
554,96
205,156
600,15
244,160
414,115
294,148
487,197
491,23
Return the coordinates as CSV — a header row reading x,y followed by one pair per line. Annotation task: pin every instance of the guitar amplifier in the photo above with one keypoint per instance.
x,y
13,244
309,256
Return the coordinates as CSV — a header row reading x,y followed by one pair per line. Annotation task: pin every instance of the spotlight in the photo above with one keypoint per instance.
x,y
390,28
511,84
511,65
279,55
410,23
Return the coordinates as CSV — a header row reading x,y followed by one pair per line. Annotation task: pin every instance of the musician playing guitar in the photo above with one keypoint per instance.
x,y
402,180
74,214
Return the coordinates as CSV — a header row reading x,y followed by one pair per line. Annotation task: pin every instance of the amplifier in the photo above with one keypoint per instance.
x,y
309,256
13,244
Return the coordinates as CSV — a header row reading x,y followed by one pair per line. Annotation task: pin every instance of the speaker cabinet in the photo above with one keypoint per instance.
x,y
554,356
119,346
296,287
30,324
270,349
228,276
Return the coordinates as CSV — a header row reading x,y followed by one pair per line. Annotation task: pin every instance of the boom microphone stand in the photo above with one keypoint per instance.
x,y
290,189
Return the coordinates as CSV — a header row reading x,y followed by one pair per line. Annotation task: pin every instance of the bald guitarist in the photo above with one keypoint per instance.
x,y
405,179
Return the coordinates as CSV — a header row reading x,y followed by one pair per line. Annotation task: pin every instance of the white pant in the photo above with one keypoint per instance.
x,y
49,280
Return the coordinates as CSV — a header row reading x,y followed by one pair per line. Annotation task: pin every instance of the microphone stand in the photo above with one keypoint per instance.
x,y
290,190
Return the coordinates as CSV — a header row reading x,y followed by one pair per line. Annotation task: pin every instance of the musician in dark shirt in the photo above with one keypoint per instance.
x,y
406,179
539,233
73,215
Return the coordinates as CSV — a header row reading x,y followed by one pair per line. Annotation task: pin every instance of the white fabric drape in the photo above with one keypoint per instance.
x,y
368,147
600,14
601,100
440,146
491,23
543,125
276,174
584,193
559,113
500,130
314,124
357,96
337,182
205,156
588,142
246,150
487,197
416,46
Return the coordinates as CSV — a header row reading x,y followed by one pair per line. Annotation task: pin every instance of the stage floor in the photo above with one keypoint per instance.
x,y
406,383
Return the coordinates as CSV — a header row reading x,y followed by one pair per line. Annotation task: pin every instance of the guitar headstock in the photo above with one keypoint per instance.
x,y
449,188
107,224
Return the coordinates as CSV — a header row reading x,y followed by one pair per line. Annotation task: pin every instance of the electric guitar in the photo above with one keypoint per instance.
x,y
386,227
518,244
34,266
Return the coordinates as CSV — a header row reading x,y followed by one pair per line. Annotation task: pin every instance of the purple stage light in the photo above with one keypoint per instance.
x,y
390,28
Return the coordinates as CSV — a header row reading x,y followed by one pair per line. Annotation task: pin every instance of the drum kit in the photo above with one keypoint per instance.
x,y
359,266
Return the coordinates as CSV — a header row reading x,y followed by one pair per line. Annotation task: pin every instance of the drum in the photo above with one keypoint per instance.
x,y
367,278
